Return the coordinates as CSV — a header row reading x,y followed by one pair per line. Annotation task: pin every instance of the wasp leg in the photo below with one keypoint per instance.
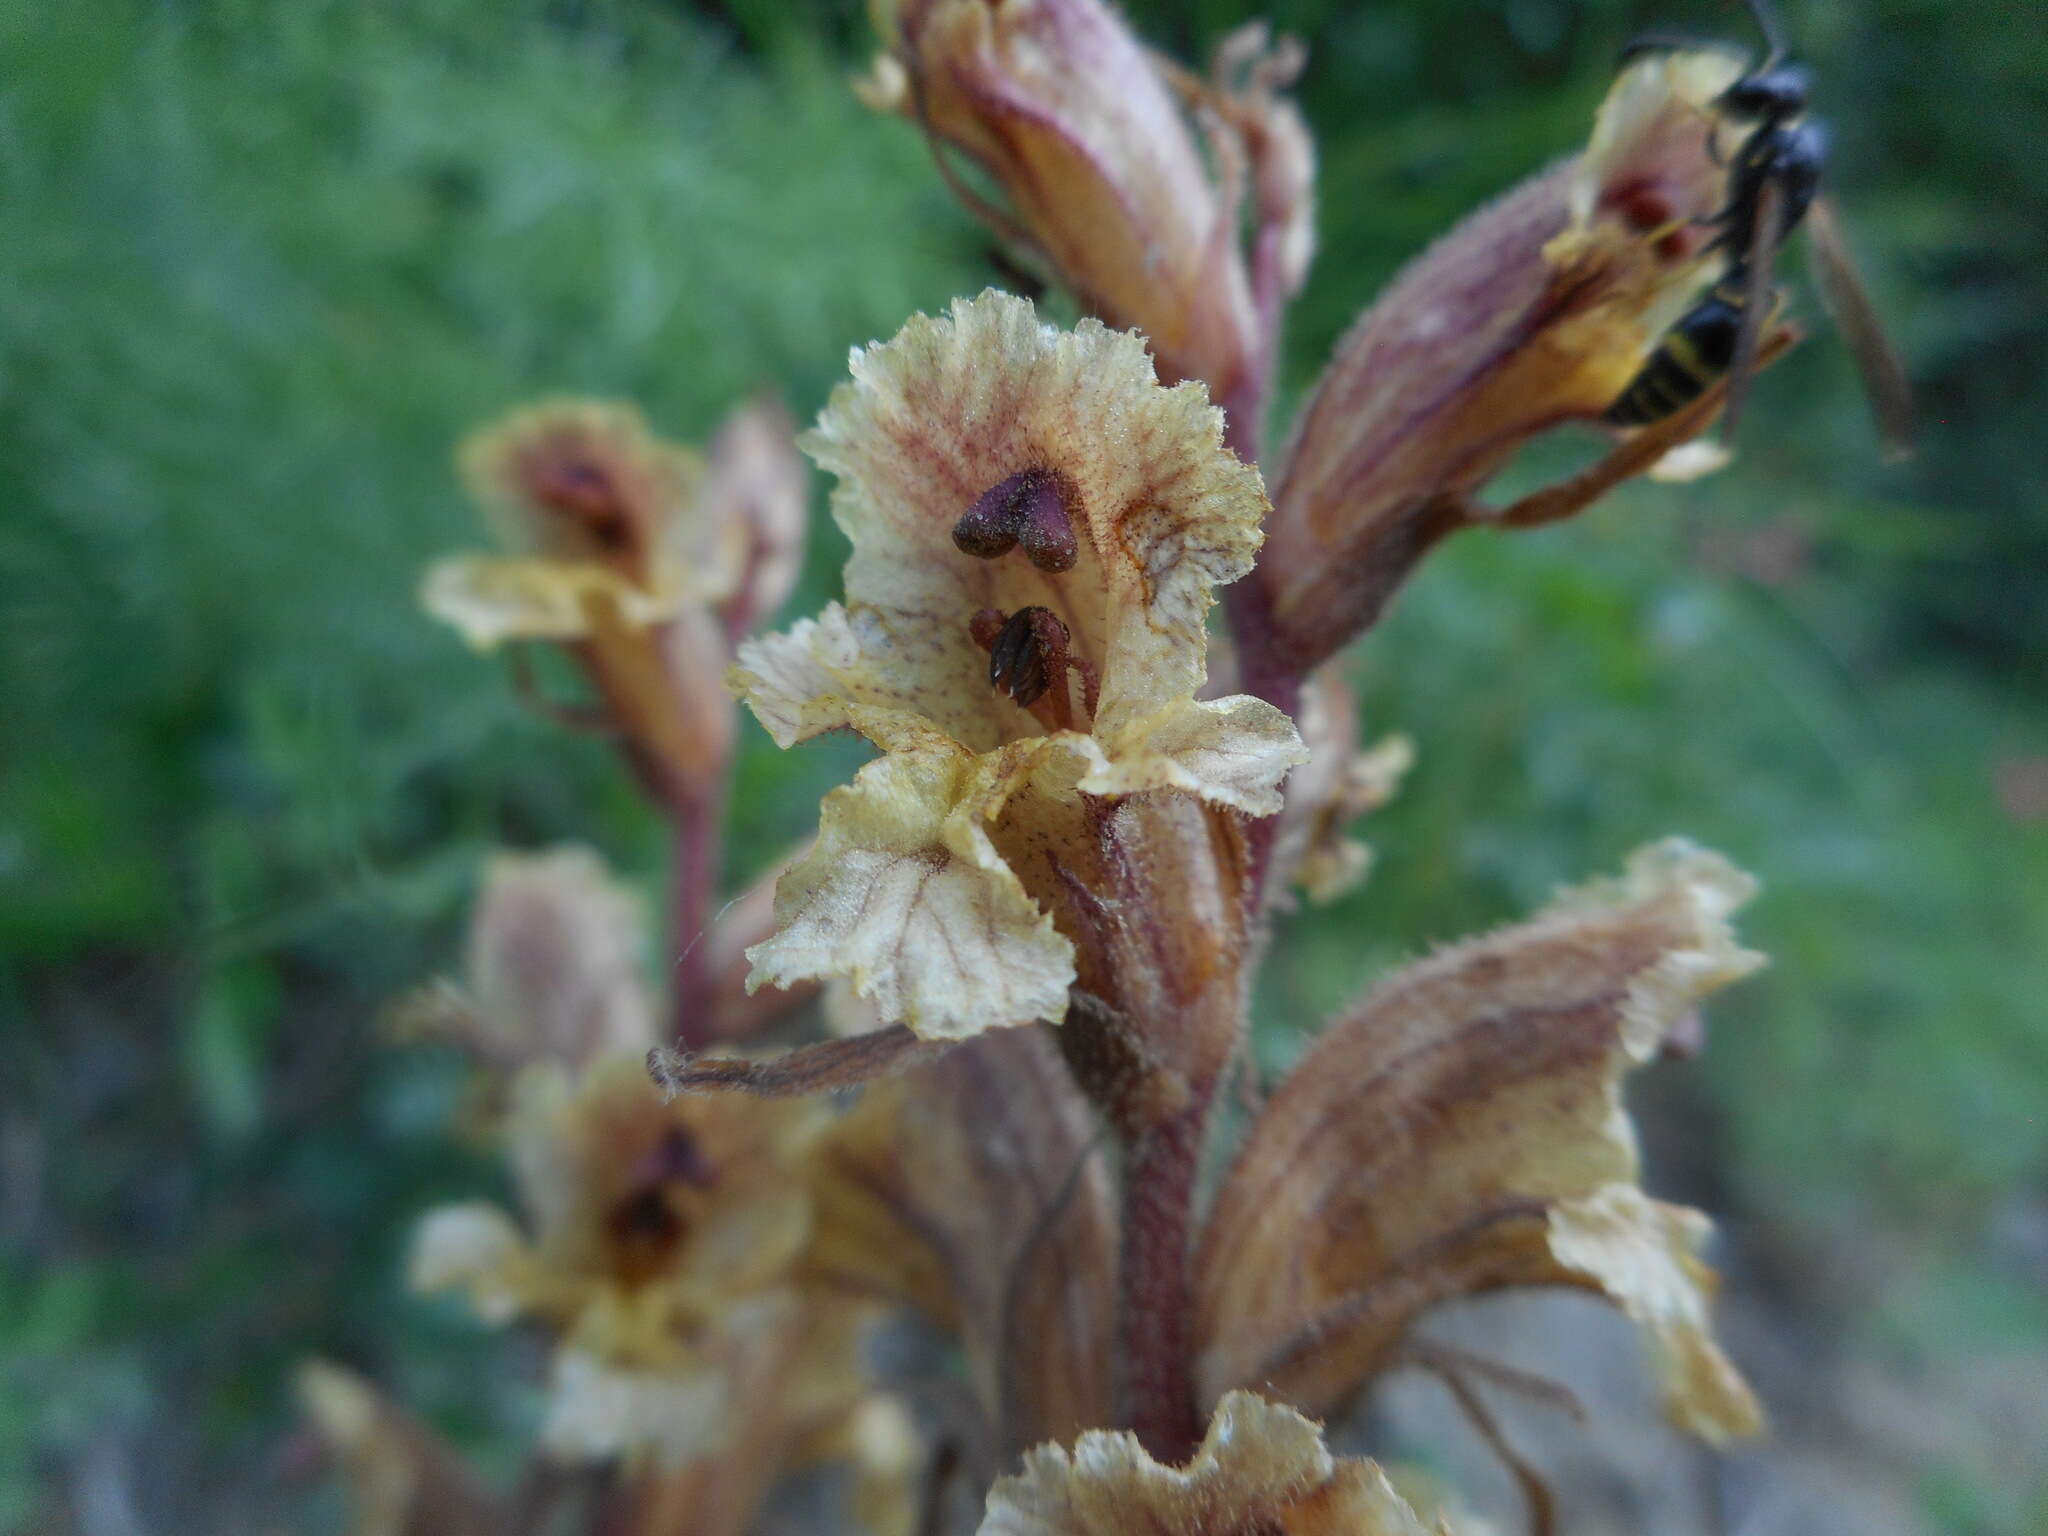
x,y
1633,456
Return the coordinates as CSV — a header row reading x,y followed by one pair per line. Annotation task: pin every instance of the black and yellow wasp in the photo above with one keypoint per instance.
x,y
1773,186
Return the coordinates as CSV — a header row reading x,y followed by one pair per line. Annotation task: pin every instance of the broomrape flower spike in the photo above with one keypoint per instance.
x,y
1038,529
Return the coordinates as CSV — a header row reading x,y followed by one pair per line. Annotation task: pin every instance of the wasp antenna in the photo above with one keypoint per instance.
x,y
1767,24
1662,40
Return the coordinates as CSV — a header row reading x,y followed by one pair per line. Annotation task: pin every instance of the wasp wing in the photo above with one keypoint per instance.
x,y
1848,303
1758,261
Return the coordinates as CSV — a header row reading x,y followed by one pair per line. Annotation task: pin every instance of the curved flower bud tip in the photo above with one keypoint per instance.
x,y
552,966
1262,1469
756,497
402,1478
1535,311
592,508
1038,529
1463,1130
1090,142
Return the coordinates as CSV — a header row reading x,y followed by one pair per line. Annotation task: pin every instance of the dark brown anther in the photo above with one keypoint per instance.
x,y
1028,654
644,1217
1045,527
1031,508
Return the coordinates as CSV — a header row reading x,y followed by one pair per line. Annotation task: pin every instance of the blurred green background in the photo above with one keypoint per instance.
x,y
262,263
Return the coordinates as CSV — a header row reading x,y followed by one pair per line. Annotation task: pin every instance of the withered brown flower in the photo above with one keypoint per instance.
x,y
1461,1131
972,1191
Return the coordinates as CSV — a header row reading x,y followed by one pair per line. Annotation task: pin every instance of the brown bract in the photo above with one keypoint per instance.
x,y
1098,166
1537,310
1262,1470
973,1191
1462,1130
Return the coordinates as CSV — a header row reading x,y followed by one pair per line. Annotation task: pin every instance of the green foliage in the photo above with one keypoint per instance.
x,y
268,262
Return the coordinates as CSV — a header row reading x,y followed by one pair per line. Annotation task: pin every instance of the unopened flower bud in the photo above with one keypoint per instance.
x,y
1100,170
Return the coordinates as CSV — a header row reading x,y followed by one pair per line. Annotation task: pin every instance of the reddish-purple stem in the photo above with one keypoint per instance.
x,y
1154,1341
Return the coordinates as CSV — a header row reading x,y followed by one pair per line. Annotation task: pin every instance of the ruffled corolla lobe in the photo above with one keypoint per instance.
x,y
1262,1470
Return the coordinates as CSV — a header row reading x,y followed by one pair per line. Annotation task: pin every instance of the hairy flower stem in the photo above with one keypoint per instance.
x,y
694,871
1153,1306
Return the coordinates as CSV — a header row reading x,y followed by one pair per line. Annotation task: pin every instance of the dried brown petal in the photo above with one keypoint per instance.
x,y
1450,1135
972,1191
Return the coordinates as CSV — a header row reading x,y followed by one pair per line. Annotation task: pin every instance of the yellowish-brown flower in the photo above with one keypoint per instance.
x,y
1038,527
1262,1470
1535,311
644,1217
653,1235
971,1192
598,517
1463,1130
